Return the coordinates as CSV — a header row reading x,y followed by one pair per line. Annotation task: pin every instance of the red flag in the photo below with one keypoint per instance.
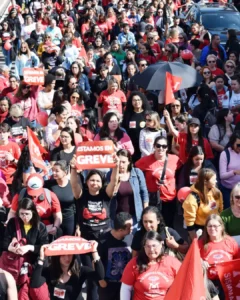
x,y
229,275
189,283
172,85
36,150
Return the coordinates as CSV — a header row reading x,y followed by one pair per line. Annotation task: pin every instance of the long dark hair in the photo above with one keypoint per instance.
x,y
28,204
205,94
195,150
91,115
56,270
189,139
153,210
77,91
71,133
95,172
221,122
129,107
104,131
142,259
126,153
233,138
232,35
22,165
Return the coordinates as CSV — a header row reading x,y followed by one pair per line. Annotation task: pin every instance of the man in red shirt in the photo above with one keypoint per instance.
x,y
9,153
47,203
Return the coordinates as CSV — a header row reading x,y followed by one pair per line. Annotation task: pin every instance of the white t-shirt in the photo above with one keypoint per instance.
x,y
231,103
45,99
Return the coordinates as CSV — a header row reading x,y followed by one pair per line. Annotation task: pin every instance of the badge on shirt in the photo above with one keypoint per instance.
x,y
142,124
132,124
59,293
212,205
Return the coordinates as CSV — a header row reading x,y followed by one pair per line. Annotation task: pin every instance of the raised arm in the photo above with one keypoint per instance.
x,y
111,187
75,179
169,123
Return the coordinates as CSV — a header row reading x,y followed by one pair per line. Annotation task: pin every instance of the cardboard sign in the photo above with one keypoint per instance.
x,y
33,76
68,245
95,155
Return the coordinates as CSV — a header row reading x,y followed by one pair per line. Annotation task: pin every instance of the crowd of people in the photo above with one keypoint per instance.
x,y
139,228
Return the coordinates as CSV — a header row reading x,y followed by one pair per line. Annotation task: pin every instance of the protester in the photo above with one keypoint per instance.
x,y
150,259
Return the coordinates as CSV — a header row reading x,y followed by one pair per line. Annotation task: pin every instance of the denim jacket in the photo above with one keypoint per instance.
x,y
84,83
140,193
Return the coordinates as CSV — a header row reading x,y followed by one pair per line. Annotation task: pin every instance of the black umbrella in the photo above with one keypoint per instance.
x,y
154,77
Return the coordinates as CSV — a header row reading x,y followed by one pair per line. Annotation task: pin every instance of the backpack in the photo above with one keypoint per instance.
x,y
227,155
210,118
197,197
46,191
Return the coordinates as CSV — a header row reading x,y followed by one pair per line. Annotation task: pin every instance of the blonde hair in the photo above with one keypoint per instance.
x,y
235,188
231,62
28,50
203,178
155,118
113,81
16,110
211,56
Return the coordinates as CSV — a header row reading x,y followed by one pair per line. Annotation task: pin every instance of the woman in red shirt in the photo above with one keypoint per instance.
x,y
76,102
170,53
161,186
216,247
193,137
144,274
147,53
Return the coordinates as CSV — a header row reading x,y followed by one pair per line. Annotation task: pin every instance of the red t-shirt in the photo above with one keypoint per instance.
x,y
6,166
77,110
221,97
182,142
152,169
150,59
44,210
219,252
217,72
9,92
112,101
155,282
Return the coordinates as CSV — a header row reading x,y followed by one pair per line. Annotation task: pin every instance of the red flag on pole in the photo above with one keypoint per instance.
x,y
229,275
36,150
189,284
172,85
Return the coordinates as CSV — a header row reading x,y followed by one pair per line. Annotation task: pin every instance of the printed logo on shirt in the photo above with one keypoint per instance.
x,y
132,124
3,161
95,213
113,102
152,282
212,205
142,124
117,261
59,293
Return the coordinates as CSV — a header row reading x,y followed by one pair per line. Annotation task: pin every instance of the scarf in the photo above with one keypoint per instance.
x,y
3,115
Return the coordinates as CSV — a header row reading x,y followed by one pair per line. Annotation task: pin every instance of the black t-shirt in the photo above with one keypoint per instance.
x,y
115,254
59,154
135,124
93,212
65,196
138,237
17,128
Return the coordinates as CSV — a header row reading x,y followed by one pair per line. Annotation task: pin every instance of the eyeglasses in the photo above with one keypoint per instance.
x,y
150,38
26,87
194,125
73,83
211,61
237,197
206,73
175,105
213,226
228,66
142,65
163,146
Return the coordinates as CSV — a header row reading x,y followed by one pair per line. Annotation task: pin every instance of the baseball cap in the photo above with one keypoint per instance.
x,y
194,121
35,185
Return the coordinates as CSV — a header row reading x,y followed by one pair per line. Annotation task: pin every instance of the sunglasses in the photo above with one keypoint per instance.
x,y
175,105
228,66
143,65
237,197
163,146
148,120
150,38
211,61
205,73
26,87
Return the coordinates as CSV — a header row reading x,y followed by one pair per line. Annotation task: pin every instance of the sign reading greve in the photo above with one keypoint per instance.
x,y
68,245
95,155
33,76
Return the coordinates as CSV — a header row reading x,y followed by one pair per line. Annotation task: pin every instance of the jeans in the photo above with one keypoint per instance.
x,y
6,54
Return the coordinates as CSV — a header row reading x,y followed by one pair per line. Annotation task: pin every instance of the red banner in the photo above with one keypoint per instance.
x,y
172,85
229,275
96,154
36,150
69,245
33,76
